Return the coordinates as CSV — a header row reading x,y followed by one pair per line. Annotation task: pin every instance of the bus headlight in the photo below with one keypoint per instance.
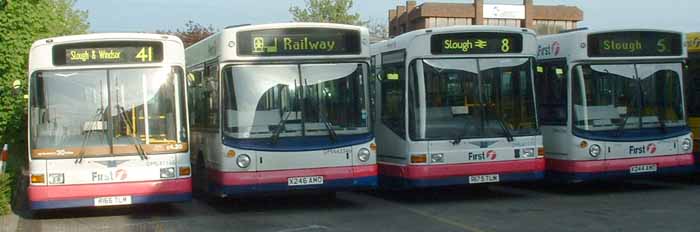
x,y
529,152
437,158
687,144
243,161
167,172
594,150
363,154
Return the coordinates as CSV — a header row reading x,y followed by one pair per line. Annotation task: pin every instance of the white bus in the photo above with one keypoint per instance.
x,y
456,106
612,104
281,107
107,121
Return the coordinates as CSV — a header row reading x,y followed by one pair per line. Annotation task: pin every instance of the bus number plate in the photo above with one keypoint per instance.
x,y
493,178
119,200
643,168
304,180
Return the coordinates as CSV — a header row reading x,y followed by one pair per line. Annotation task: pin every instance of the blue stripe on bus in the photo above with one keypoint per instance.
x,y
571,177
362,183
697,161
90,202
634,135
393,182
309,143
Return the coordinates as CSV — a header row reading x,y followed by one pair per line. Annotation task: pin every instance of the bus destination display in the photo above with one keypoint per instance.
x,y
298,42
108,53
476,43
634,43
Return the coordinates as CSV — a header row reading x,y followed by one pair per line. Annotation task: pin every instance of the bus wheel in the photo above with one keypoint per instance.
x,y
329,196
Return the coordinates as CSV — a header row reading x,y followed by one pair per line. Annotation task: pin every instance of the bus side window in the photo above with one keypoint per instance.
x,y
211,76
393,113
551,87
196,98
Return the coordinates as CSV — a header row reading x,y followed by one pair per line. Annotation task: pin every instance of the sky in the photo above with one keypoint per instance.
x,y
152,15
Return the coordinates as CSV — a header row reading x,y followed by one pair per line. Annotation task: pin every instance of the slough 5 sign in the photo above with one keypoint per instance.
x,y
476,43
118,52
298,42
634,43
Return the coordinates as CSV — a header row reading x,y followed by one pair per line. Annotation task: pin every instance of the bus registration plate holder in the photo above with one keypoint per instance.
x,y
491,178
304,180
117,200
643,168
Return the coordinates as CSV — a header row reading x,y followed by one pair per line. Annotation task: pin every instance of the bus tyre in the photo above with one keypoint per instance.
x,y
329,196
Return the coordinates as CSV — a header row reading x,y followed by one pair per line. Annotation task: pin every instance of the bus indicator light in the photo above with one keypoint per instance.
x,y
583,144
419,158
37,178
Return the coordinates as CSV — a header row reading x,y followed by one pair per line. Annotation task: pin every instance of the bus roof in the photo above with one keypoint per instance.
x,y
417,43
173,50
224,45
573,45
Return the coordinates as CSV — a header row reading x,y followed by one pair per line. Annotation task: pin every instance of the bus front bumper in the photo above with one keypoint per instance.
x,y
84,195
334,179
572,171
422,176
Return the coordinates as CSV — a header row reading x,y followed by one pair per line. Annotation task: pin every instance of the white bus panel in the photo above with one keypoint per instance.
x,y
456,106
107,121
281,107
612,105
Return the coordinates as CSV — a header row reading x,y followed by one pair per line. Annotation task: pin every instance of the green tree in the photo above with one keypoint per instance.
x,y
193,32
21,23
327,11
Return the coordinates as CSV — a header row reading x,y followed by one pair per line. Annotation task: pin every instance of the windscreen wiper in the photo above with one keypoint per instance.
x,y
134,141
275,135
502,123
81,154
329,127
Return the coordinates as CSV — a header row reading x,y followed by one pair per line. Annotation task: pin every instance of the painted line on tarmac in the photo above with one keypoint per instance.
x,y
305,228
423,213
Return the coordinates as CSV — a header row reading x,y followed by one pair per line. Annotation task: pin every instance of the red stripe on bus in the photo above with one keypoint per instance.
x,y
468,169
618,164
267,177
146,188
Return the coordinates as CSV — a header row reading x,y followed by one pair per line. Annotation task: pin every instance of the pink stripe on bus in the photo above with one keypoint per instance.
x,y
146,188
618,164
280,176
468,169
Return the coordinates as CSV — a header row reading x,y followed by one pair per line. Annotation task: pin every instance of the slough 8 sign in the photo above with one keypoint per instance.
x,y
476,43
298,41
96,53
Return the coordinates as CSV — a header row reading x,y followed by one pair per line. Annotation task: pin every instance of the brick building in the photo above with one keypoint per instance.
x,y
544,19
